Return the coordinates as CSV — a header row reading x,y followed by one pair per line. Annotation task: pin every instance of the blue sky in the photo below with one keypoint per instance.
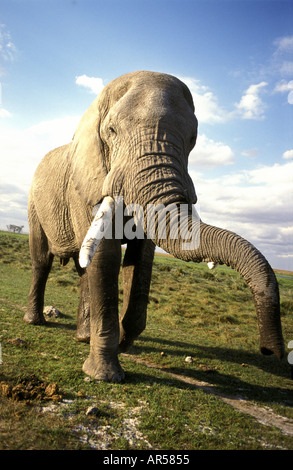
x,y
235,55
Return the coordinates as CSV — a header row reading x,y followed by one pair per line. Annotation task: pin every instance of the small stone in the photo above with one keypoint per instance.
x,y
51,311
92,410
188,359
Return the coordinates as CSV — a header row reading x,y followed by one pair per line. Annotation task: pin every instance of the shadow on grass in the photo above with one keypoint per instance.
x,y
65,326
223,382
237,388
269,364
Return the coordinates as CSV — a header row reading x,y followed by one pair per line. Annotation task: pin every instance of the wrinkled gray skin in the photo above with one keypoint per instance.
x,y
134,142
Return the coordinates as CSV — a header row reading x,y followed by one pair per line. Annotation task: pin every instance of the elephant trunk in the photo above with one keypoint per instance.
x,y
158,171
212,244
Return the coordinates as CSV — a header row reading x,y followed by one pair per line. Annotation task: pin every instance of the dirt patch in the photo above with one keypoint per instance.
x,y
102,436
30,389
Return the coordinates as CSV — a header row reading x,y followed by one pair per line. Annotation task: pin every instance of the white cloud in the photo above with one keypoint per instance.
x,y
21,150
7,48
94,84
280,65
4,113
285,87
59,130
250,153
210,154
276,175
286,68
284,44
208,110
282,58
206,104
251,106
288,154
13,205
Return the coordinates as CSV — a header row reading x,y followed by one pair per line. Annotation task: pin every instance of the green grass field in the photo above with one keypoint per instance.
x,y
229,397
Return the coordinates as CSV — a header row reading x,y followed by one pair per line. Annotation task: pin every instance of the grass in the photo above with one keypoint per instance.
x,y
208,315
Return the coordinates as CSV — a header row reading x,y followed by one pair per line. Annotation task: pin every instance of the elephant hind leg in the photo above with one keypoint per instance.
x,y
41,265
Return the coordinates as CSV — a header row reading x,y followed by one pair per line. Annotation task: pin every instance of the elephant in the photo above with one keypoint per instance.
x,y
132,146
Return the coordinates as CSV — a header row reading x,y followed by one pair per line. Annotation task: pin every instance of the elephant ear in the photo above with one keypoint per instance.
x,y
88,166
90,163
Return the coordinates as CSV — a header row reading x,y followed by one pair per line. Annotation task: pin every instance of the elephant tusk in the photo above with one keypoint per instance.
x,y
96,232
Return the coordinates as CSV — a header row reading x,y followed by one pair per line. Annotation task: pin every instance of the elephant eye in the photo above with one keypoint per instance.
x,y
112,130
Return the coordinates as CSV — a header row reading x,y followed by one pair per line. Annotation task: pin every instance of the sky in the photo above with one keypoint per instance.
x,y
236,56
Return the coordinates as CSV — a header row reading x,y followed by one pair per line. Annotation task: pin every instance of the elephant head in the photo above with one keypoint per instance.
x,y
134,142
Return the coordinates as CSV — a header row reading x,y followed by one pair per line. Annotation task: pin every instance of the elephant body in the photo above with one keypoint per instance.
x,y
132,143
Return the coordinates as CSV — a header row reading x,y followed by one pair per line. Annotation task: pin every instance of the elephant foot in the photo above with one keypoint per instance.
x,y
127,339
103,368
83,333
125,344
34,319
82,337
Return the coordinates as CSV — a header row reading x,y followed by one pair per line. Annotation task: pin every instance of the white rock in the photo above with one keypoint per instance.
x,y
92,410
51,311
188,359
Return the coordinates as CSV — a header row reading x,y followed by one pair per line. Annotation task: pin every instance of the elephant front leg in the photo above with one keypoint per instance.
x,y
102,363
137,271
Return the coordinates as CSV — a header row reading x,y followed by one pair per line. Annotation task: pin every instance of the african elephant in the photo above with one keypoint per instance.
x,y
132,143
